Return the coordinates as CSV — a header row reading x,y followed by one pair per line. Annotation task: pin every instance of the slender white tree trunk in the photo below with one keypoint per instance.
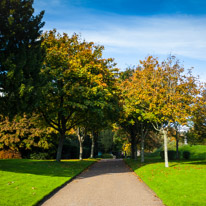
x,y
165,147
164,133
80,149
92,147
81,140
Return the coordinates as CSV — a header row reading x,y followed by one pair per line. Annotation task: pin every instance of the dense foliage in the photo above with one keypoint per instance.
x,y
21,56
158,93
78,81
197,132
24,133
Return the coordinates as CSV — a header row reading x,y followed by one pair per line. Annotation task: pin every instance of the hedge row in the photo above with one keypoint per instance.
x,y
172,154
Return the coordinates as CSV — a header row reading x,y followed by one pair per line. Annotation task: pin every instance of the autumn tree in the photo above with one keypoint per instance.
x,y
134,124
131,119
78,80
164,95
125,120
21,56
197,132
24,134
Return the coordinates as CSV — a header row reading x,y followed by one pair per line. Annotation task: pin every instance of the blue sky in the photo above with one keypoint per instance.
x,y
131,30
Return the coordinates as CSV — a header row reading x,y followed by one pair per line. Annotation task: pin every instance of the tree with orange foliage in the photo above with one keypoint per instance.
x,y
197,133
131,119
162,94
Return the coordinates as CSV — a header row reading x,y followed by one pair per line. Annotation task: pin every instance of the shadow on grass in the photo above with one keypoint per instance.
x,y
70,168
136,164
195,162
64,168
44,167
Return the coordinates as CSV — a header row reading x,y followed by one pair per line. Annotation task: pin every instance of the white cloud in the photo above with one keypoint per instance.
x,y
182,36
130,37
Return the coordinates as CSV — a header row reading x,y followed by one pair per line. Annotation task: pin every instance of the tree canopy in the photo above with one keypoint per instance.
x,y
21,55
78,80
161,93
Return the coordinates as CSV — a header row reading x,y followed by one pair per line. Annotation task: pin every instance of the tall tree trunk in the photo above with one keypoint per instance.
x,y
135,154
142,148
92,147
60,146
177,144
164,132
177,148
133,145
144,132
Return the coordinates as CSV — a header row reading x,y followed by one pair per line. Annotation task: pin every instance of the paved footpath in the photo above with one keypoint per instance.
x,y
106,183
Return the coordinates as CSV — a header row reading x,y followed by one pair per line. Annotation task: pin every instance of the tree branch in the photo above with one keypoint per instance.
x,y
50,122
155,127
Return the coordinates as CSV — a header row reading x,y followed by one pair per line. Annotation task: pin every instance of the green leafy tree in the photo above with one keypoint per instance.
x,y
106,139
78,81
21,55
96,122
96,119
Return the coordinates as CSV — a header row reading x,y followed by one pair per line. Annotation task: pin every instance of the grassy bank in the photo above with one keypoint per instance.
x,y
198,152
182,184
25,182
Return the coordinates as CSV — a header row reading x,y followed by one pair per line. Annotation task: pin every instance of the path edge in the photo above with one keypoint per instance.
x,y
53,192
141,180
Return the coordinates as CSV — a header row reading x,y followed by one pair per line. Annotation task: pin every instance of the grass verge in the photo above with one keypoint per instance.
x,y
182,184
26,182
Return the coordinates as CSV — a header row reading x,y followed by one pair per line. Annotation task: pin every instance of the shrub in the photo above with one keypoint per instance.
x,y
186,155
171,154
10,154
39,156
107,156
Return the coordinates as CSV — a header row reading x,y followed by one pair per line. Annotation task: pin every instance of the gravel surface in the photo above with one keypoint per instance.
x,y
106,183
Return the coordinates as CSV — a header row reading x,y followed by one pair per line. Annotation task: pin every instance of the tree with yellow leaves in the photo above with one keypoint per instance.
x,y
24,133
162,94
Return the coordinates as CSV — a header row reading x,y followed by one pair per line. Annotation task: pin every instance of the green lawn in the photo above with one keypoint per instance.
x,y
182,184
25,182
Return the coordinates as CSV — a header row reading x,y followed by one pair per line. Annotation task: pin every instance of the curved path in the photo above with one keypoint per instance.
x,y
106,183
